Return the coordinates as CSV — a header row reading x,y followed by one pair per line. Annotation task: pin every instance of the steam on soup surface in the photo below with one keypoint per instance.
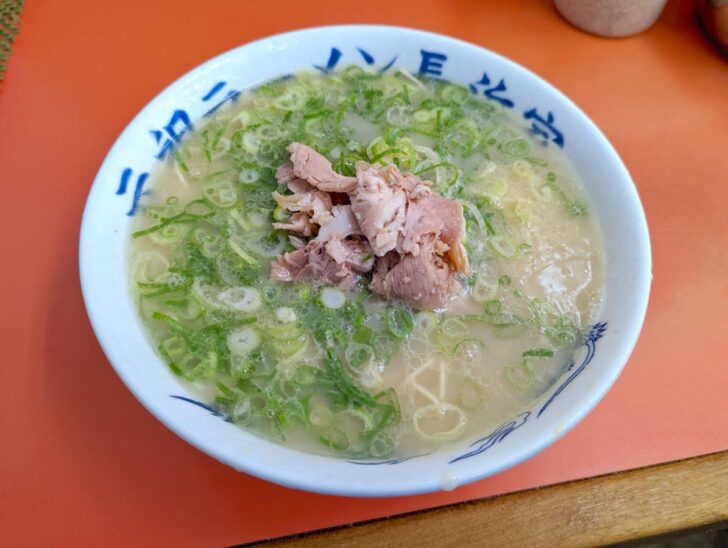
x,y
347,368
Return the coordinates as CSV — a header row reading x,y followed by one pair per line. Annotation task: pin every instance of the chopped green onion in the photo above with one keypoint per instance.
x,y
221,194
335,439
425,321
305,375
242,299
247,257
243,341
468,350
428,421
538,353
248,176
519,377
357,355
285,314
399,116
503,246
471,395
453,328
383,444
477,215
332,298
455,94
422,116
515,148
493,307
320,416
400,321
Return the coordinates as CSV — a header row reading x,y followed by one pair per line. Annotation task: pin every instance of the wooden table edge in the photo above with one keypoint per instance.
x,y
621,507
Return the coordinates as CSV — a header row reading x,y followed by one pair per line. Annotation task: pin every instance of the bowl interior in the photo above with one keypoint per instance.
x,y
549,115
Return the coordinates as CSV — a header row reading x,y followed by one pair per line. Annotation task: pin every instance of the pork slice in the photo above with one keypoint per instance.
x,y
342,224
322,267
450,214
288,266
381,220
379,208
356,255
299,186
312,264
316,204
360,258
421,225
422,281
335,232
285,173
296,242
285,176
299,222
383,266
337,250
412,185
316,169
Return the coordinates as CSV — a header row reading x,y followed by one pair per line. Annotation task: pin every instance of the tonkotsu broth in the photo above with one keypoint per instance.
x,y
283,359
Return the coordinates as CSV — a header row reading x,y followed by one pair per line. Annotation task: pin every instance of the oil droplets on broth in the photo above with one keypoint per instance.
x,y
347,372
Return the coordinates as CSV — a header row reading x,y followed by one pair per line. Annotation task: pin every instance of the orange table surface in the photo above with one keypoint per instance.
x,y
82,462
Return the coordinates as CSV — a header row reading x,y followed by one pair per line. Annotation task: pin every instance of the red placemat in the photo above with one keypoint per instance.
x,y
82,462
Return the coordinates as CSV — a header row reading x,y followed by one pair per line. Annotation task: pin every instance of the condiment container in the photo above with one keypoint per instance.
x,y
612,18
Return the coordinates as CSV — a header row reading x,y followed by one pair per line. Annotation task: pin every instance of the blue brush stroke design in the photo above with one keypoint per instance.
x,y
388,66
432,63
210,409
554,134
388,462
138,191
500,433
595,333
217,87
491,94
334,57
368,59
232,95
171,130
125,176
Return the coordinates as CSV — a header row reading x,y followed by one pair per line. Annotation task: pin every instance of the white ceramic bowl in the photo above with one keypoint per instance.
x,y
539,106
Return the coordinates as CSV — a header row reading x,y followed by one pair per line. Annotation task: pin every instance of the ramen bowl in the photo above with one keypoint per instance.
x,y
551,117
